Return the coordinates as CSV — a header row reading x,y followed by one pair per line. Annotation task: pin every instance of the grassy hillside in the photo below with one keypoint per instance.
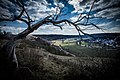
x,y
48,66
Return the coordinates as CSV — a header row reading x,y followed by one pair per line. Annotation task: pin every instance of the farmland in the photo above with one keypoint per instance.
x,y
71,46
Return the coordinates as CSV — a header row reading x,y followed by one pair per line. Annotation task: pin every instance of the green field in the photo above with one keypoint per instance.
x,y
78,50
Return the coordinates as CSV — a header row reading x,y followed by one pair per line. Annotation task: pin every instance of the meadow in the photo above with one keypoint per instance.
x,y
84,51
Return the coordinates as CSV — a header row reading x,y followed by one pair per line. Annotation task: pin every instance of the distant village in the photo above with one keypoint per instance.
x,y
99,41
111,40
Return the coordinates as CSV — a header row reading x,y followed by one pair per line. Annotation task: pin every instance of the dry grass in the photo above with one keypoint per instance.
x,y
48,66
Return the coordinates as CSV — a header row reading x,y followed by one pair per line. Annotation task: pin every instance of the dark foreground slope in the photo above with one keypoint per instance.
x,y
47,66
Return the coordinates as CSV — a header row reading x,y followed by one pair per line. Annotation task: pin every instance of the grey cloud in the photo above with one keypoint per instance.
x,y
36,8
118,20
7,9
84,2
105,4
4,14
107,8
108,13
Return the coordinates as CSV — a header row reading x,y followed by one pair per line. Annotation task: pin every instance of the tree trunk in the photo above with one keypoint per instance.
x,y
8,60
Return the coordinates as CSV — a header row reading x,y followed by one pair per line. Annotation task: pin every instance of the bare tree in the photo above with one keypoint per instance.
x,y
51,19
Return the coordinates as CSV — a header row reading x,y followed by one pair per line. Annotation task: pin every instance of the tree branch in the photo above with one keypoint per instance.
x,y
90,11
54,21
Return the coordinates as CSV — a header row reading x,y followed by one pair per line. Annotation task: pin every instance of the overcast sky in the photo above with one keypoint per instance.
x,y
109,10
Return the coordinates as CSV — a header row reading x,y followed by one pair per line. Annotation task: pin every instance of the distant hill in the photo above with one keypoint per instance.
x,y
106,35
99,35
55,37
